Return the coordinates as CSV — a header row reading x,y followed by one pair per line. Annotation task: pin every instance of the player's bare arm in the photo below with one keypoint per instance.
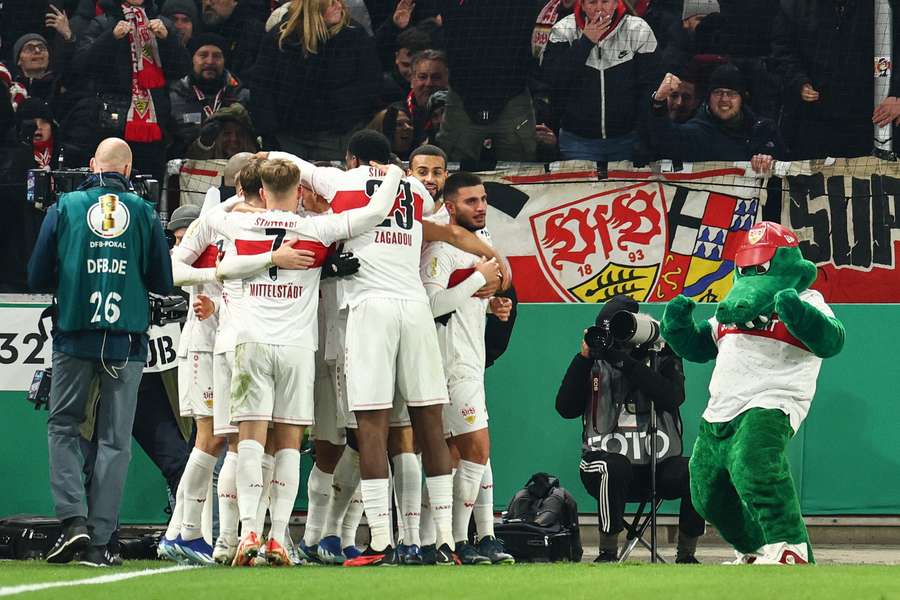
x,y
467,241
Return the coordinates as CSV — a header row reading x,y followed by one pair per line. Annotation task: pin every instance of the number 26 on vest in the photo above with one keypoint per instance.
x,y
110,307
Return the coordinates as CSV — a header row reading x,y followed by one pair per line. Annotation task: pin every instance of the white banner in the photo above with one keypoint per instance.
x,y
22,348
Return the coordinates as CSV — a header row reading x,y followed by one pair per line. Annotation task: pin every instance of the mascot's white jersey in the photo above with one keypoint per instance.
x,y
763,368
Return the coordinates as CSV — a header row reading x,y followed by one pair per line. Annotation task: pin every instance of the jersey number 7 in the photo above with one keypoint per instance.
x,y
276,244
404,213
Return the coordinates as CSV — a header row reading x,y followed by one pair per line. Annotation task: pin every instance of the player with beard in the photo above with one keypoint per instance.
x,y
452,279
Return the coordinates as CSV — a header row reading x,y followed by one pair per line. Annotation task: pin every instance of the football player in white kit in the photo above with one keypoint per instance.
x,y
274,382
193,264
452,278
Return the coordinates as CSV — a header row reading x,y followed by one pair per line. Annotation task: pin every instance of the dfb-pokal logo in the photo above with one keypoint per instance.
x,y
108,218
606,244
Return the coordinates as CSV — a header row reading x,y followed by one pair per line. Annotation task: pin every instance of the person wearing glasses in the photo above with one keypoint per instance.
x,y
723,129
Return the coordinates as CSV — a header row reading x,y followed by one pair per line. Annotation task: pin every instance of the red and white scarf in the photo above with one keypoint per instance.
x,y
43,153
146,74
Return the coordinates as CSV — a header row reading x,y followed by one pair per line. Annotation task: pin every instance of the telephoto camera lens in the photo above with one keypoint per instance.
x,y
636,329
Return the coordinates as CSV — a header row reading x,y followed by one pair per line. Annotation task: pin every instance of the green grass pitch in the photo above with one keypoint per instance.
x,y
637,580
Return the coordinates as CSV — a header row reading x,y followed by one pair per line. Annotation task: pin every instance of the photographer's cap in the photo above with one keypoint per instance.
x,y
761,242
183,216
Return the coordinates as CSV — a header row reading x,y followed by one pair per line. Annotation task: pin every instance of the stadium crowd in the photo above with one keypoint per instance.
x,y
507,80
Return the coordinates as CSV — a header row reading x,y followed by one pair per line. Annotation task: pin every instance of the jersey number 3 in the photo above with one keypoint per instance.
x,y
404,211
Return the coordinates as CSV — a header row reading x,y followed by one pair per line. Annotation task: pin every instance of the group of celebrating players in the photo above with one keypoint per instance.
x,y
352,302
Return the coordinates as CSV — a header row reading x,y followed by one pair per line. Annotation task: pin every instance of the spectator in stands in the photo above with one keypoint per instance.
x,y
600,63
723,128
235,21
228,132
42,67
823,51
397,80
34,146
129,54
407,14
429,75
184,16
684,100
317,81
488,46
196,97
396,124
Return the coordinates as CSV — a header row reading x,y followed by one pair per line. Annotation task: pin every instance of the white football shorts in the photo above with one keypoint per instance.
x,y
195,385
273,383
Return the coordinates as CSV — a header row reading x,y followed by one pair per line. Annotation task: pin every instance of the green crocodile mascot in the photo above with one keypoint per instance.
x,y
768,338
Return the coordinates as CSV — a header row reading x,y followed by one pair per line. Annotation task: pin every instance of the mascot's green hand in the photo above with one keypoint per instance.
x,y
687,339
789,306
679,309
823,335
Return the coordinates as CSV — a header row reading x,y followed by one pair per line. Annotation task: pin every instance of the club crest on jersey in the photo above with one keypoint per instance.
x,y
605,244
108,218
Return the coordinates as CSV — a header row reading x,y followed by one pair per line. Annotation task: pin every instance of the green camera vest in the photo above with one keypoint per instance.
x,y
103,240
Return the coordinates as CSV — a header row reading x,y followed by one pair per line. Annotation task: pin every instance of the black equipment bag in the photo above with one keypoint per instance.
x,y
28,536
541,523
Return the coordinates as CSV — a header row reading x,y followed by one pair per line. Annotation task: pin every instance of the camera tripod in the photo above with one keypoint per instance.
x,y
637,528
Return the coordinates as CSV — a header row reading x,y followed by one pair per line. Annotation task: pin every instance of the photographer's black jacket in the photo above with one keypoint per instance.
x,y
664,386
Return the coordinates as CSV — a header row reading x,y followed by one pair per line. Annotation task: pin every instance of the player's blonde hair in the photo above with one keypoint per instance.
x,y
306,21
279,176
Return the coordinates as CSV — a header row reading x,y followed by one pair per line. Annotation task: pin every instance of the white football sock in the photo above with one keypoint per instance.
x,y
484,504
466,484
174,527
285,483
265,501
426,522
376,495
408,489
351,519
318,490
197,478
440,494
249,478
227,491
344,484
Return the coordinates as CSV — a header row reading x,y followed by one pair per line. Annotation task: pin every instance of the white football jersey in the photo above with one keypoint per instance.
x,y
278,306
389,254
199,248
445,266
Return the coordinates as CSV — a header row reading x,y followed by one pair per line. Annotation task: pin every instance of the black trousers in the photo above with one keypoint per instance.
x,y
614,481
156,430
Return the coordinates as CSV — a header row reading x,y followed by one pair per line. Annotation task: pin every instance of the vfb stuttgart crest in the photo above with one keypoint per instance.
x,y
603,245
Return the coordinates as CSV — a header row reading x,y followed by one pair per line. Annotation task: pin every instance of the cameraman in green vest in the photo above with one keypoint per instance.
x,y
100,250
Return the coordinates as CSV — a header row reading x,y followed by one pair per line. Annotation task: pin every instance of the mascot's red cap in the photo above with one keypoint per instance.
x,y
762,241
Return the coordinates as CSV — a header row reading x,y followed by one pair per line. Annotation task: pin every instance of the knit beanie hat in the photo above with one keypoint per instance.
x,y
727,77
185,7
28,37
207,39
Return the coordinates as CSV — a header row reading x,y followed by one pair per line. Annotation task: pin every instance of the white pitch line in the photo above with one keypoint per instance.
x,y
35,587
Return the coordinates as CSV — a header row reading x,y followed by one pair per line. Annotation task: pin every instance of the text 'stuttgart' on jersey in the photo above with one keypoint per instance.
x,y
278,306
389,254
199,248
444,269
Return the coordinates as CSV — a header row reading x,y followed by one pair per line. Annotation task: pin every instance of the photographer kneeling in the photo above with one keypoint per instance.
x,y
610,385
